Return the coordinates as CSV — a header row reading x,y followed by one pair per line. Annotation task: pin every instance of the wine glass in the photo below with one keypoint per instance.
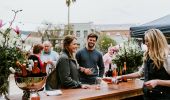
x,y
98,81
92,70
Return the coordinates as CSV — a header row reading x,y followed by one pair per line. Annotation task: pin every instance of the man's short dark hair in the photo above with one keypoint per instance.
x,y
93,35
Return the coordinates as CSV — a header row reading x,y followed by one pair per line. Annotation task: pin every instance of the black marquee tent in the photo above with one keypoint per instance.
x,y
162,23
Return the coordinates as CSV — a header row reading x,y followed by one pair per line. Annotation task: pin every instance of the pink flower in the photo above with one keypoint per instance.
x,y
1,23
17,30
115,49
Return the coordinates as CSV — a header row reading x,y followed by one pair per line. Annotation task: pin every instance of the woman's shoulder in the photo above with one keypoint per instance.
x,y
63,56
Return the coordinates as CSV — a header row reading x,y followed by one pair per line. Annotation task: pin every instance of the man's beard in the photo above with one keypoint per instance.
x,y
90,45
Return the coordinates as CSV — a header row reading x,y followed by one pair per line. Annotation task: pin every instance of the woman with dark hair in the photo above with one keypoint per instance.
x,y
67,69
36,54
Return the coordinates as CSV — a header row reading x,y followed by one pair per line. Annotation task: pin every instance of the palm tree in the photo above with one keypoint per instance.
x,y
68,3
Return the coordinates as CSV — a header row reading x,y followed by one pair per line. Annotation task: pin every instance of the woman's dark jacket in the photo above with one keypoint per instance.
x,y
67,72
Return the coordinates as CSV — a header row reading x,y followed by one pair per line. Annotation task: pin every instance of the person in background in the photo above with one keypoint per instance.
x,y
107,58
155,68
37,49
49,56
67,69
90,61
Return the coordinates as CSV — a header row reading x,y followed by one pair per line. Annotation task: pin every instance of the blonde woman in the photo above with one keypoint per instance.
x,y
155,68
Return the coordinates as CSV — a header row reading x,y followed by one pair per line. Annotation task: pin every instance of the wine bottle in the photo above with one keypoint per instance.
x,y
22,67
110,71
124,79
29,70
13,71
30,61
114,74
43,70
24,71
35,69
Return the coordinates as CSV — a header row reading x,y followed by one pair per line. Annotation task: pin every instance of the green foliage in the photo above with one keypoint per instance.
x,y
105,42
58,49
130,53
8,58
11,50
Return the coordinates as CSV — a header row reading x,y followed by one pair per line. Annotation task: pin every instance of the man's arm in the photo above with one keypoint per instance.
x,y
81,69
101,66
78,57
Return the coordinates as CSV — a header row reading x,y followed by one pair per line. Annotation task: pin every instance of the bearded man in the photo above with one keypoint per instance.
x,y
90,61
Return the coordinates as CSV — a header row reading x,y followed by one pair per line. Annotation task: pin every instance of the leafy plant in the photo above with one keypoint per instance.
x,y
105,42
11,50
131,53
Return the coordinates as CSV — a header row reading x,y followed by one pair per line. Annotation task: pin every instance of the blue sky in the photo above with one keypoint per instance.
x,y
97,11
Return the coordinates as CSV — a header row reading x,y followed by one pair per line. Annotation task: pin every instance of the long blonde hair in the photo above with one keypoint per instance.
x,y
158,47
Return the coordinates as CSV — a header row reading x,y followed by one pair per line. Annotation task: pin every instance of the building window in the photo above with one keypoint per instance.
x,y
78,33
85,33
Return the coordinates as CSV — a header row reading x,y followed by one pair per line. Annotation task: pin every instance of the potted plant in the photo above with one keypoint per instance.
x,y
131,53
11,50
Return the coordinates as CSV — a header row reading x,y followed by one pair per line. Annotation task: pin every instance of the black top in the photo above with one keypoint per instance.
x,y
152,72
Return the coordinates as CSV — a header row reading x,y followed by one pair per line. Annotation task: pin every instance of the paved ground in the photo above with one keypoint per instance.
x,y
13,89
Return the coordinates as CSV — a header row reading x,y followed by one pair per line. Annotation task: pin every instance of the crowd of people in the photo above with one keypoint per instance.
x,y
76,68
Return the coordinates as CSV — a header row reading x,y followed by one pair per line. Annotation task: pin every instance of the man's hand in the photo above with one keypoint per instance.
x,y
49,61
87,71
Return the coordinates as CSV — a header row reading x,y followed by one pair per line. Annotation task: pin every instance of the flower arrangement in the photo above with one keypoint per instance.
x,y
11,50
131,53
